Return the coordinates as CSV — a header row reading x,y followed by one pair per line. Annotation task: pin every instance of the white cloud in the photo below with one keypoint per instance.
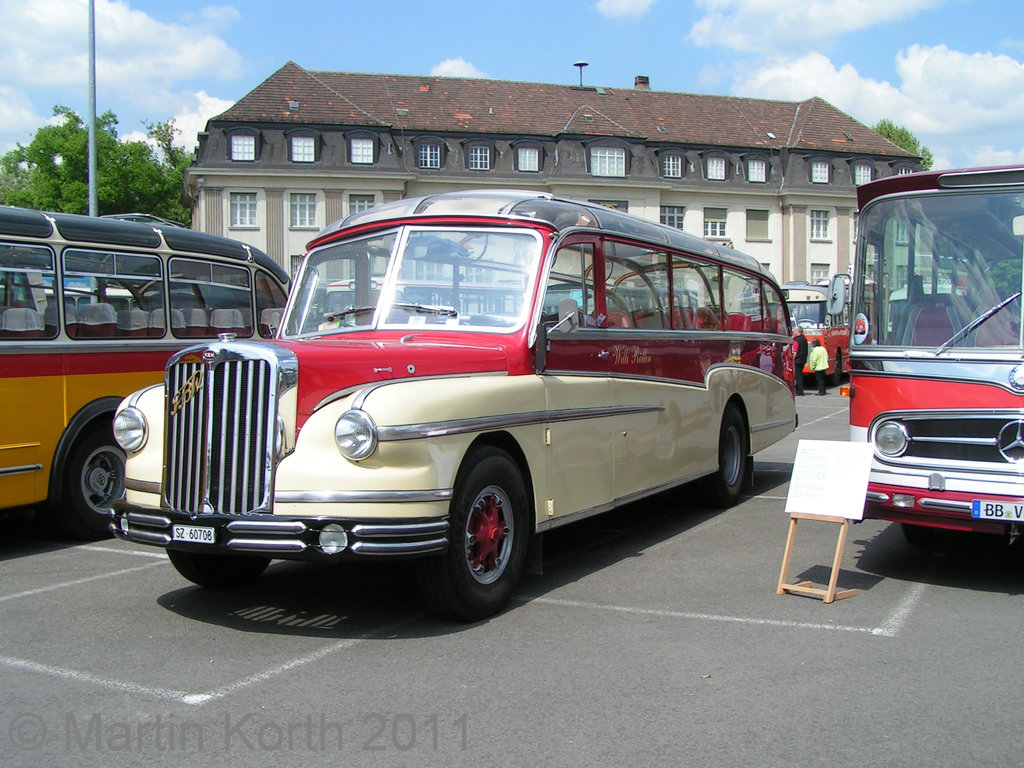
x,y
140,60
457,67
959,105
189,121
620,8
768,25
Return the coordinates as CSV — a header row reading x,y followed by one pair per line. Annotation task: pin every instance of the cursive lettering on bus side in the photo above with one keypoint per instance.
x,y
188,390
632,355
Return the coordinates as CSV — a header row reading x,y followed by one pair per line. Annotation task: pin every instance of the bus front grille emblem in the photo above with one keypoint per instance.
x,y
1011,441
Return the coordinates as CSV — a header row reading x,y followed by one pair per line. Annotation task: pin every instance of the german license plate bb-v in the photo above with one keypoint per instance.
x,y
1001,510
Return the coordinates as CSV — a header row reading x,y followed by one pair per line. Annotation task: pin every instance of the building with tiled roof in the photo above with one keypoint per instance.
x,y
776,179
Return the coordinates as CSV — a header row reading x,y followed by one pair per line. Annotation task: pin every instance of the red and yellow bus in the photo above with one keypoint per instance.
x,y
807,308
91,309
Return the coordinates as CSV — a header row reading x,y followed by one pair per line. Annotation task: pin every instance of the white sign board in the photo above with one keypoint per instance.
x,y
829,478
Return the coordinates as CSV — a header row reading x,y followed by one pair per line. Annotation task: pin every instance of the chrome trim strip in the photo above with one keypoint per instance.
x,y
463,426
398,548
154,521
945,504
21,469
267,526
414,529
771,425
362,497
266,545
148,537
882,498
141,485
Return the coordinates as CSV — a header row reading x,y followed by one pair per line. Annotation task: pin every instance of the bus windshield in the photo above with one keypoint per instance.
x,y
473,279
941,271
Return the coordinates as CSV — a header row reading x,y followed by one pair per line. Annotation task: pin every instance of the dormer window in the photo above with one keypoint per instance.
x,y
478,157
819,172
861,174
430,153
716,166
672,166
528,159
607,161
361,150
303,149
243,147
757,170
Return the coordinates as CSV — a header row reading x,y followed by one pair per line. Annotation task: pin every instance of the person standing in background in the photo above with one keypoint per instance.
x,y
818,363
799,358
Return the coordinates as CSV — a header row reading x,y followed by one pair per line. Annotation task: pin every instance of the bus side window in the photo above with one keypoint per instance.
x,y
27,290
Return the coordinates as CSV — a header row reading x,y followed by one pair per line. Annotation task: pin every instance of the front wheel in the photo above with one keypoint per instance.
x,y
724,486
488,540
837,375
217,571
94,478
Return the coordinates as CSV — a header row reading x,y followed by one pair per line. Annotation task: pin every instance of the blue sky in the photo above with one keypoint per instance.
x,y
951,71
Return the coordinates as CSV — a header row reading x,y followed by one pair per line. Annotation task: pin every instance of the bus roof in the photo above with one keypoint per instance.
x,y
561,214
802,291
966,178
23,222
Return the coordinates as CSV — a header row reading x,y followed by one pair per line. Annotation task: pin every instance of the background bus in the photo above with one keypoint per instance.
x,y
90,310
807,308
936,374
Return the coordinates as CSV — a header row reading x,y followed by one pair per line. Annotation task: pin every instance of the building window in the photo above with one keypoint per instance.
x,y
672,166
479,159
608,161
357,203
243,209
820,273
243,147
430,155
360,151
861,174
757,225
757,170
303,209
303,149
528,159
819,172
714,222
904,171
672,215
819,225
716,168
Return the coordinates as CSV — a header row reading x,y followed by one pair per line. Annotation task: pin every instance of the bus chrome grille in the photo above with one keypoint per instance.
x,y
961,439
220,435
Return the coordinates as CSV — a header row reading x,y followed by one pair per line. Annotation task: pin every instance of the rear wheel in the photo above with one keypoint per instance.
x,y
217,571
724,486
488,540
93,478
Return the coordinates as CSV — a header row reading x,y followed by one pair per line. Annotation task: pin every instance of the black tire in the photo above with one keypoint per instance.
x,y
93,478
723,488
217,571
474,579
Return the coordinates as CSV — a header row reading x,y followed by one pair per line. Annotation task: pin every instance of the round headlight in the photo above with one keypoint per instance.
x,y
891,438
356,435
130,429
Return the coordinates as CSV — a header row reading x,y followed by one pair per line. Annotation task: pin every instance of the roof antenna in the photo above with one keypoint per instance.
x,y
580,65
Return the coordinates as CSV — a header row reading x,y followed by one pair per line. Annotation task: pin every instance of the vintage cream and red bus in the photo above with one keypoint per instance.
x,y
936,373
90,310
505,363
808,309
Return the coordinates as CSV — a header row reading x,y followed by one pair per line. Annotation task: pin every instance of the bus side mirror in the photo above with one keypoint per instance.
x,y
836,295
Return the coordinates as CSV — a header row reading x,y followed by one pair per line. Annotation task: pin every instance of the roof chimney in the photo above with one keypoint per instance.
x,y
642,83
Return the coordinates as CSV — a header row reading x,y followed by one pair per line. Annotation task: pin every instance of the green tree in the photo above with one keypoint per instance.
x,y
901,137
51,172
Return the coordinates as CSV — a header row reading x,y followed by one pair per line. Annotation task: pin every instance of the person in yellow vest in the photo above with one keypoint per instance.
x,y
817,361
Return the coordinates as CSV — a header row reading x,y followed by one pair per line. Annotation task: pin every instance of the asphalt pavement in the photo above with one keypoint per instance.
x,y
653,637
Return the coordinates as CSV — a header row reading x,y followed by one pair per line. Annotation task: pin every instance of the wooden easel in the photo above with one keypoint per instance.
x,y
805,587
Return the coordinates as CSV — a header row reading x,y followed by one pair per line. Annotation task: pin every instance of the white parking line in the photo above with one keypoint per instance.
x,y
75,582
890,627
158,555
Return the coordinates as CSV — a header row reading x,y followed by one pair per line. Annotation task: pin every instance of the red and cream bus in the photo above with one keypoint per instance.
x,y
808,309
90,310
937,359
505,363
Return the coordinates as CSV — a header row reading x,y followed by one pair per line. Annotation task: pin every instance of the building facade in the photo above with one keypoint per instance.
x,y
304,148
